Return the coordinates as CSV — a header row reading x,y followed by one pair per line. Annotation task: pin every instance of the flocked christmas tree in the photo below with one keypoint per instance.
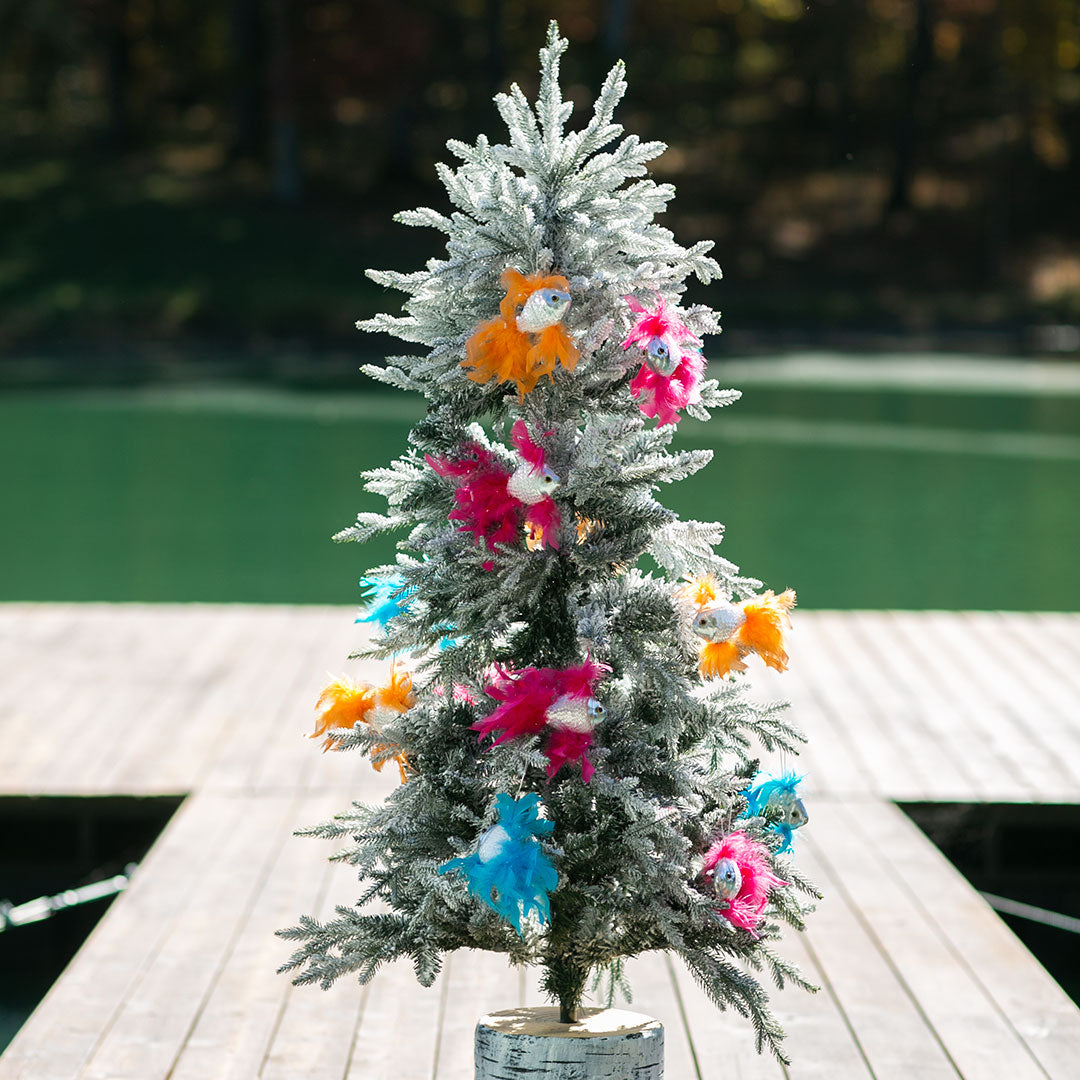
x,y
574,740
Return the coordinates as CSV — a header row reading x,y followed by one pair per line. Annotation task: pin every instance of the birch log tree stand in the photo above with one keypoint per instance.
x,y
603,1044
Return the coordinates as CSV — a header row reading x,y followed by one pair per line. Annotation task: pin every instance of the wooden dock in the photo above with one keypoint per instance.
x,y
920,979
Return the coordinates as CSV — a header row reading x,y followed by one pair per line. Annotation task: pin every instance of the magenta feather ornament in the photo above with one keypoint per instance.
x,y
496,504
672,368
556,701
744,890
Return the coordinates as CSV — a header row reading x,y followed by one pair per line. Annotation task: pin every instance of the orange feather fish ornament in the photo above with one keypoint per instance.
x,y
345,704
730,632
526,339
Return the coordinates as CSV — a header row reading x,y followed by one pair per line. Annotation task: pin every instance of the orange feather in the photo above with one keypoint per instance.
x,y
498,350
763,631
344,704
720,658
700,591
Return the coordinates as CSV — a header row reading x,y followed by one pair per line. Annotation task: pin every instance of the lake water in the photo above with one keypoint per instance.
x,y
857,495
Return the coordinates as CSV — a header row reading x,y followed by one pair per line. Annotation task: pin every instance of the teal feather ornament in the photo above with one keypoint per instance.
x,y
509,870
777,798
384,598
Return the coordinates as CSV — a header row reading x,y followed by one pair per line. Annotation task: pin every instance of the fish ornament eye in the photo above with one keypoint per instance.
x,y
596,710
727,879
555,298
548,479
660,358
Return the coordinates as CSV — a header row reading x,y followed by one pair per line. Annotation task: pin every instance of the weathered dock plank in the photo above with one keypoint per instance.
x,y
919,977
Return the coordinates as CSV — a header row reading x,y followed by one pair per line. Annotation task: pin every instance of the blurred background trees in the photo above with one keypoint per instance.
x,y
221,171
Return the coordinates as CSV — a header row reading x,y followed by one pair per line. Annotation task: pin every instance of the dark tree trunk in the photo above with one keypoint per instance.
x,y
247,36
117,72
494,43
287,183
567,981
918,64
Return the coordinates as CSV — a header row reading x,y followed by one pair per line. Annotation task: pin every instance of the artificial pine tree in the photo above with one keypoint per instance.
x,y
572,733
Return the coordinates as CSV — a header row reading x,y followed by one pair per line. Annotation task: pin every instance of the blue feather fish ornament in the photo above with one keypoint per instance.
x,y
778,797
509,870
384,598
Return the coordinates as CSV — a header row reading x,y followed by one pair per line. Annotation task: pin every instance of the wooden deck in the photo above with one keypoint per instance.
x,y
920,979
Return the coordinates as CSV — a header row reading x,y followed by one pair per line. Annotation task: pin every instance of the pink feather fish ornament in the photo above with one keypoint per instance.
x,y
557,701
738,868
497,504
671,370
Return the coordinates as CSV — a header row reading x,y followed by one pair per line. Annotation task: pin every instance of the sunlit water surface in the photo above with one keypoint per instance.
x,y
857,498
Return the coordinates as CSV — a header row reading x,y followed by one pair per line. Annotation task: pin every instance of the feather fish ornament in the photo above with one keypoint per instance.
x,y
778,798
558,701
387,597
497,504
526,339
670,375
345,703
729,632
738,869
509,870
384,598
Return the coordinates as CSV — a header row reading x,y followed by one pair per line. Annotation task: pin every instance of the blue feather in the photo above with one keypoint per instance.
x,y
384,599
777,797
509,870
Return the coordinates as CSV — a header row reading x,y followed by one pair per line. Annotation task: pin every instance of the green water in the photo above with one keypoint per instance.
x,y
857,499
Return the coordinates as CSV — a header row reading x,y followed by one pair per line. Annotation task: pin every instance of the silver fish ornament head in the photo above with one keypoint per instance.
x,y
492,843
661,357
542,309
792,811
596,710
727,879
718,622
529,485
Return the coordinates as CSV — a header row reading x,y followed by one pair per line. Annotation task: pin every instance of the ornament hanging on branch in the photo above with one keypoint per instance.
x,y
737,870
384,599
526,339
558,701
496,504
509,870
731,631
345,703
777,798
672,366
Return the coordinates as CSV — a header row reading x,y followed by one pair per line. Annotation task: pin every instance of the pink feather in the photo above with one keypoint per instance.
x,y
747,909
530,450
663,395
564,746
484,506
580,681
526,696
661,323
546,514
